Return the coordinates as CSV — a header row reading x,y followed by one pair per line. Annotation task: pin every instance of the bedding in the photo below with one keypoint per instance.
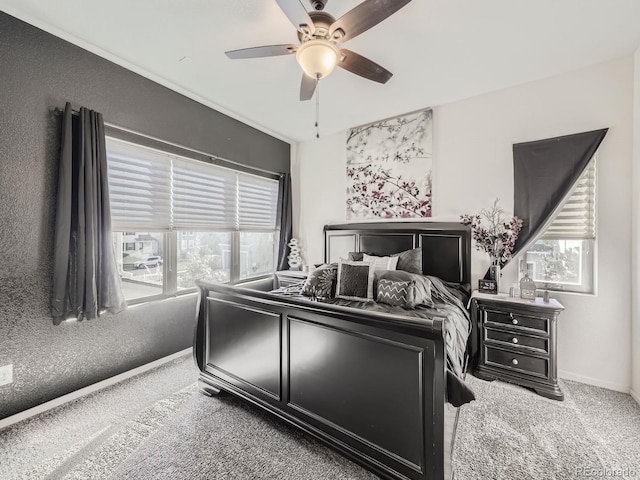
x,y
432,297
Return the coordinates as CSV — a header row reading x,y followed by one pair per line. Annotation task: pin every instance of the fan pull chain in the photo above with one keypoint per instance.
x,y
318,106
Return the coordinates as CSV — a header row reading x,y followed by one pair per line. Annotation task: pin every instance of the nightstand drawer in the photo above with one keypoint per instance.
x,y
517,320
516,361
516,339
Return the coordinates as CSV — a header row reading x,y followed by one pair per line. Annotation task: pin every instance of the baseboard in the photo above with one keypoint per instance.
x,y
593,381
56,402
635,396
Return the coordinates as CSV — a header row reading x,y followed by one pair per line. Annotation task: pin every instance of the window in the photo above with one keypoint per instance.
x,y
187,220
256,253
209,259
141,271
563,258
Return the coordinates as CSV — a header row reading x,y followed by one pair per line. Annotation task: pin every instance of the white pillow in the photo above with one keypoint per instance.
x,y
381,263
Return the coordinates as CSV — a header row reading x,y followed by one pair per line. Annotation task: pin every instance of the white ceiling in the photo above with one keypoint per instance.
x,y
440,51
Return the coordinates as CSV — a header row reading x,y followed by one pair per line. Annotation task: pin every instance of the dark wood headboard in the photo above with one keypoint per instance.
x,y
446,246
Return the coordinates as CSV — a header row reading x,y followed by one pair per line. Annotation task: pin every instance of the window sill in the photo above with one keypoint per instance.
x,y
566,292
191,291
159,298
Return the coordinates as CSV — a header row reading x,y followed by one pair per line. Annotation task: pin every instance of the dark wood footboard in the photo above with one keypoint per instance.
x,y
370,385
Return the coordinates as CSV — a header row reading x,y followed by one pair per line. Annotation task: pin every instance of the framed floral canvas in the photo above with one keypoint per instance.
x,y
389,167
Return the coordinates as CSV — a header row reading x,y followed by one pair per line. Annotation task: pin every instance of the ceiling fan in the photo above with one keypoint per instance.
x,y
320,37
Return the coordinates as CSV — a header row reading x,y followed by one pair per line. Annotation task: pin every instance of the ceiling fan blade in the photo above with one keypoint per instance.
x,y
265,51
307,87
364,16
298,15
363,66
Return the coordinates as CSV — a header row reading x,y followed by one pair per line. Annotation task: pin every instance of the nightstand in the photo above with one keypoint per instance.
x,y
286,278
517,341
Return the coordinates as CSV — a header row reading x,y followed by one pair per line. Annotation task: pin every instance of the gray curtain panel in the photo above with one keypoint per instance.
x,y
85,278
284,221
543,173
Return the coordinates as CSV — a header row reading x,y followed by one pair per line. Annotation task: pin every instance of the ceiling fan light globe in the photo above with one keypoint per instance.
x,y
317,58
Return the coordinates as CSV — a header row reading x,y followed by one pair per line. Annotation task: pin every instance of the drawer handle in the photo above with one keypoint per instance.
x,y
514,340
514,321
514,361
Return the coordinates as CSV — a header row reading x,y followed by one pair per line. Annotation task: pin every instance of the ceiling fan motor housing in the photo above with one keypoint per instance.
x,y
322,22
318,4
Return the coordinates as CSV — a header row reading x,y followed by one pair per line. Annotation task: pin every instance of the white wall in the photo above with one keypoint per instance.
x,y
473,164
635,293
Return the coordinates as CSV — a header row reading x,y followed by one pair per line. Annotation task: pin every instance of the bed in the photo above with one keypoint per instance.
x,y
371,384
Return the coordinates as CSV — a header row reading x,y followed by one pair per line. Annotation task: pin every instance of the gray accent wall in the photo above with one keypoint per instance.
x,y
38,72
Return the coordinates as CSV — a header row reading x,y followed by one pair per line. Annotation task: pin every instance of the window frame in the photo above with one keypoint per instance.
x,y
172,237
589,261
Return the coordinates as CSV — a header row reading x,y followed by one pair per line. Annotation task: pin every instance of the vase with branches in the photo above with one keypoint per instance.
x,y
497,238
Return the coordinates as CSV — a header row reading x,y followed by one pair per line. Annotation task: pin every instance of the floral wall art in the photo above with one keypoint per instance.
x,y
389,166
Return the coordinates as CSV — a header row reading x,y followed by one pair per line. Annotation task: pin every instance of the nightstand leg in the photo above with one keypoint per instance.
x,y
553,394
479,374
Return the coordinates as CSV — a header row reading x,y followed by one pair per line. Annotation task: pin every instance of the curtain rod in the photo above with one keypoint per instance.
x,y
58,111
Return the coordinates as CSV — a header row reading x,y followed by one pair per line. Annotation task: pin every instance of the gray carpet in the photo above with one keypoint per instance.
x,y
59,439
224,438
508,433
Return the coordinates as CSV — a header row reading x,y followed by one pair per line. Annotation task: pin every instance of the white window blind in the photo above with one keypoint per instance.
x,y
577,218
257,202
157,191
139,187
204,196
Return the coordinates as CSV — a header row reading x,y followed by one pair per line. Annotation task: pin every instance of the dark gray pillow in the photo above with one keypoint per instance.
x,y
355,281
355,256
420,284
321,282
400,294
410,260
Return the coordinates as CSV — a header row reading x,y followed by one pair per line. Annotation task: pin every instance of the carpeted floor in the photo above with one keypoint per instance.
x,y
47,445
157,426
510,432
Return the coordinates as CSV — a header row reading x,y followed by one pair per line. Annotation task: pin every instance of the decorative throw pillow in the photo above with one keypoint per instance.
x,y
421,285
410,260
400,294
381,263
355,281
321,282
